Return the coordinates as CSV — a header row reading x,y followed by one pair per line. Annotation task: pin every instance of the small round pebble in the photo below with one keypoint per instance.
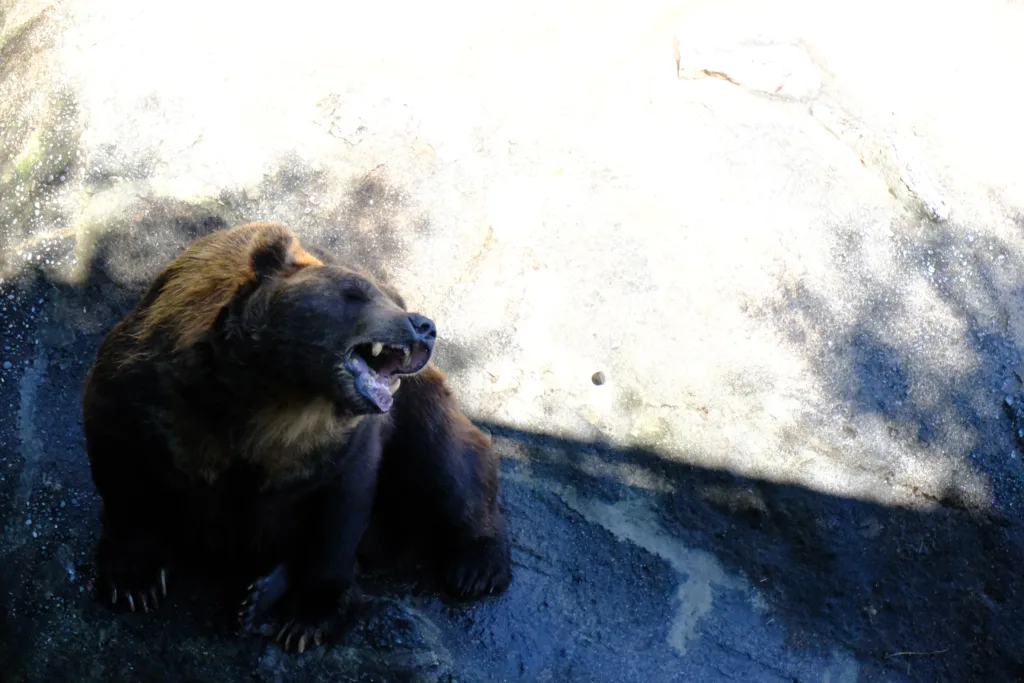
x,y
598,378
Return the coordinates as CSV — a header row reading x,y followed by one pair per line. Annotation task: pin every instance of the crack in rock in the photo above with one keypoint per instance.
x,y
776,68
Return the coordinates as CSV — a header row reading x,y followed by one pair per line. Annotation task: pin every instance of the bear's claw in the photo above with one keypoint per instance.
x,y
480,567
148,598
263,594
306,633
132,569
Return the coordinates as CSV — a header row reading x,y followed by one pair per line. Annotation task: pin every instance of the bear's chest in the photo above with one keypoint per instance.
x,y
285,442
291,442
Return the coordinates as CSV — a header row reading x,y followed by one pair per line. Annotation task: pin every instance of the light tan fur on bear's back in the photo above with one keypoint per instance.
x,y
205,277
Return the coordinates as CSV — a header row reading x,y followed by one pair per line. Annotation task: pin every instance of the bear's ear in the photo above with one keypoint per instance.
x,y
273,257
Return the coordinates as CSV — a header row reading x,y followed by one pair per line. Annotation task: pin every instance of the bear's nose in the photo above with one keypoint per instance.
x,y
423,327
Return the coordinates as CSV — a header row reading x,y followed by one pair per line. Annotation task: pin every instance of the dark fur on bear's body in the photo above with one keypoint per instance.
x,y
228,421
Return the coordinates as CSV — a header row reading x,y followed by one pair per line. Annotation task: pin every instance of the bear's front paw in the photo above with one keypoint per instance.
x,y
479,567
261,595
316,613
132,572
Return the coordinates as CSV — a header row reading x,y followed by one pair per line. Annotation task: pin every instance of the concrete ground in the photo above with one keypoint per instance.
x,y
791,237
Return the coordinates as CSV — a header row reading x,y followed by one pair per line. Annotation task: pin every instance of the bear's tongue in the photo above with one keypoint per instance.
x,y
378,387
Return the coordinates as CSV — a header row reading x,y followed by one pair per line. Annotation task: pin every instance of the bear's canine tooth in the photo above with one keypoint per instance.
x,y
377,348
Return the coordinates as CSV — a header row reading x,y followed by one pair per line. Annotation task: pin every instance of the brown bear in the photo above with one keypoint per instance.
x,y
260,409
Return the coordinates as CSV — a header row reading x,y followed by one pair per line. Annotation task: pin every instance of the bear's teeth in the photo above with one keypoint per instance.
x,y
408,355
377,348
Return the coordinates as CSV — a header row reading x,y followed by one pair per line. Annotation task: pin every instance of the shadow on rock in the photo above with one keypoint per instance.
x,y
917,353
929,595
360,219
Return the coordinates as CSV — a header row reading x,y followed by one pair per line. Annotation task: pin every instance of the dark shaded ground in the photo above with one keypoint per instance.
x,y
940,587
922,596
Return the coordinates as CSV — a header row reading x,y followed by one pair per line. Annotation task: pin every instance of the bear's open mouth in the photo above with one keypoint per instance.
x,y
377,368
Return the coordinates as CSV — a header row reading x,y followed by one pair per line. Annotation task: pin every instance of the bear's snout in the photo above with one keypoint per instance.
x,y
423,328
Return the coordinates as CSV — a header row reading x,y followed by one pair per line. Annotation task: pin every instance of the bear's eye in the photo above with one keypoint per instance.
x,y
355,295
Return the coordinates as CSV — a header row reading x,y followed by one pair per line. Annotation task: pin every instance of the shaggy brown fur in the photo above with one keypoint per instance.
x,y
202,281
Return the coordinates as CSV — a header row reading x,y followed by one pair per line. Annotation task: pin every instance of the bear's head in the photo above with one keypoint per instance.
x,y
325,330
